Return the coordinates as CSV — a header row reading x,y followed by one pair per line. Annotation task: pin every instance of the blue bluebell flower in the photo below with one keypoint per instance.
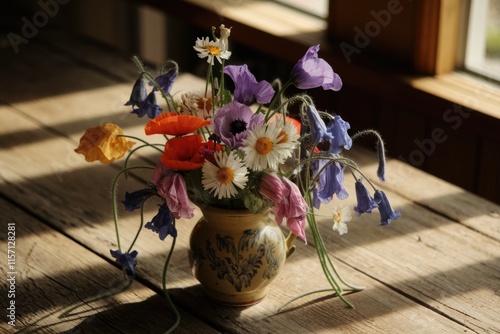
x,y
387,214
128,260
381,160
163,223
318,129
148,107
330,182
365,202
139,93
338,129
167,79
136,199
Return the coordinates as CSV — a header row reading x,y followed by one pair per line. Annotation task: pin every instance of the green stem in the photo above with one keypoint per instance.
x,y
165,291
305,294
277,97
113,199
140,226
125,164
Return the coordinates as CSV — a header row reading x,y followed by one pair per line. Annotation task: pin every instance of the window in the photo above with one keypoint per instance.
x,y
482,53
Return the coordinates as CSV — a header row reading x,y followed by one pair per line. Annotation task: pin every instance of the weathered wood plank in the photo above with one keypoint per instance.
x,y
60,286
435,194
87,219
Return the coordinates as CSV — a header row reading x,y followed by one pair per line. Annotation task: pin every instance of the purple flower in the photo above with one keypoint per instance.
x,y
166,80
232,122
288,202
148,107
330,182
172,187
136,199
381,160
319,132
311,72
338,129
387,214
247,89
163,223
365,202
139,93
128,260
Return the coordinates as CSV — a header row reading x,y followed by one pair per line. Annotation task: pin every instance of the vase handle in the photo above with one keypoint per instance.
x,y
290,247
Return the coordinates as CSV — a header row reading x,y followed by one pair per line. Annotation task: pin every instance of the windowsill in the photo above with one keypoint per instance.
x,y
272,28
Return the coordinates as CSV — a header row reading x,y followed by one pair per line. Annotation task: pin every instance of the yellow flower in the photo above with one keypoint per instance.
x,y
102,143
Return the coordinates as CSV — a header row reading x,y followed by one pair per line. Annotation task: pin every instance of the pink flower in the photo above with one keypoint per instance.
x,y
288,202
172,187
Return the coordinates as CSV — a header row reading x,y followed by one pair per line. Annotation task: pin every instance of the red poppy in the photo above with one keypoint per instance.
x,y
174,125
208,149
183,153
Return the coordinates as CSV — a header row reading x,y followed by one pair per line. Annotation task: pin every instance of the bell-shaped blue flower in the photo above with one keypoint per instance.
x,y
318,129
338,129
365,202
381,160
136,199
163,223
247,90
167,79
139,93
330,182
148,107
312,71
128,260
387,214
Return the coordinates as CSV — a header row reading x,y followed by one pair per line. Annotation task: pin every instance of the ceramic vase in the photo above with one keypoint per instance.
x,y
235,255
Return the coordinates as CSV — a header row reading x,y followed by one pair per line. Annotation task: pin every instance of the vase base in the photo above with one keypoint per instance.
x,y
238,299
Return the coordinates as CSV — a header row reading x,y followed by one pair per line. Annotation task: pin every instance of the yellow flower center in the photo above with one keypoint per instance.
x,y
337,216
264,145
284,139
225,175
213,50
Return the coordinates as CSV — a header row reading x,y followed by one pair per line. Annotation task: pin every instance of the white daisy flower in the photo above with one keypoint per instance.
x,y
288,138
223,178
342,215
210,50
262,149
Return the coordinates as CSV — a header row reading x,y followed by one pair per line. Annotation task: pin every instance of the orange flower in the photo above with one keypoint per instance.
x,y
102,143
295,122
174,125
183,153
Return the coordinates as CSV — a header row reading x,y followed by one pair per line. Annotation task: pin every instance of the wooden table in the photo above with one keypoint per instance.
x,y
435,270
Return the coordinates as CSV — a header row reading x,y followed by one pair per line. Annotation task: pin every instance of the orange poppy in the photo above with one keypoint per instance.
x,y
174,125
183,153
102,143
295,122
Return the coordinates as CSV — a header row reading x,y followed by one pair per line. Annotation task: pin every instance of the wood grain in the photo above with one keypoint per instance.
x,y
435,269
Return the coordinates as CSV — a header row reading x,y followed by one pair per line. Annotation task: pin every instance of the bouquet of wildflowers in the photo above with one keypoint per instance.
x,y
241,149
